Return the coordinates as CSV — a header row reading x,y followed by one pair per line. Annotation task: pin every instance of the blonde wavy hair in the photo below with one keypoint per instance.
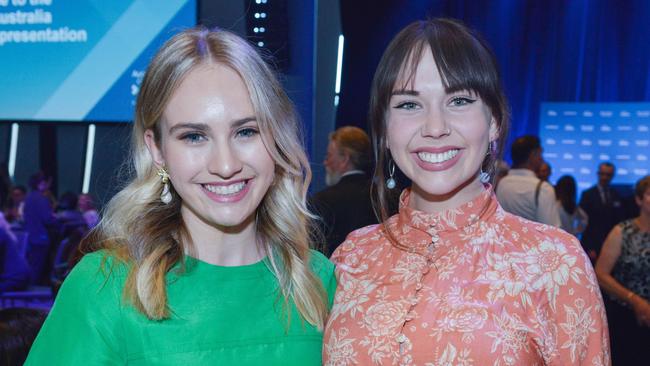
x,y
150,237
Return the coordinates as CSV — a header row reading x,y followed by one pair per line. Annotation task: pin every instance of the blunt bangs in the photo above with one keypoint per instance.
x,y
464,61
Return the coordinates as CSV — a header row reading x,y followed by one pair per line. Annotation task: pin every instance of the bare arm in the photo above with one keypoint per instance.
x,y
608,257
582,220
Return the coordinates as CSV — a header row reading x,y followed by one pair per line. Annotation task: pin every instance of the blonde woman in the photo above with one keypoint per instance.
x,y
203,258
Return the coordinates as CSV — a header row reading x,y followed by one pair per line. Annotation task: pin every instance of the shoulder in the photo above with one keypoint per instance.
x,y
324,269
533,234
359,241
515,182
322,199
547,187
590,191
320,265
96,273
624,226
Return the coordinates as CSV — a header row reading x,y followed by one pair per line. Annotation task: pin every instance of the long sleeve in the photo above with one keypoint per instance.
x,y
83,327
575,313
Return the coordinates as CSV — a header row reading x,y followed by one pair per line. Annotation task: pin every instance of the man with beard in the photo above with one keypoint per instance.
x,y
345,204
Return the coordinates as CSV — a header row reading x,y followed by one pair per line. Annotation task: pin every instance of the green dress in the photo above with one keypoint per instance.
x,y
219,316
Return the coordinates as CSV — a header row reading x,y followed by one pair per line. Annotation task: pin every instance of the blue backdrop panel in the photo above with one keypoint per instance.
x,y
578,136
81,60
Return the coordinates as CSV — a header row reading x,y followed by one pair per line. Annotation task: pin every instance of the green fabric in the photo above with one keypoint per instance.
x,y
220,316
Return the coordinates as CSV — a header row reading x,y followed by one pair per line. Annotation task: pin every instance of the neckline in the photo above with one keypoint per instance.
x,y
635,222
193,263
431,225
451,219
521,172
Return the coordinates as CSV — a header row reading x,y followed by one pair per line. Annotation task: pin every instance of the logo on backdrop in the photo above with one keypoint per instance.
x,y
579,136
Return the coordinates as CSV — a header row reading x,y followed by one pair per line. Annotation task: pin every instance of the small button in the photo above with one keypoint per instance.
x,y
401,338
435,238
418,286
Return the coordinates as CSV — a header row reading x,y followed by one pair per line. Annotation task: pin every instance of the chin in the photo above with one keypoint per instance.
x,y
230,219
444,187
435,190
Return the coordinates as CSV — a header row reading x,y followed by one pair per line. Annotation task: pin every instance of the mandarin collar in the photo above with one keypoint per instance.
x,y
469,213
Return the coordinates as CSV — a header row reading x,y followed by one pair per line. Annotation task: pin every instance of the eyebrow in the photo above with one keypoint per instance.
x,y
204,126
189,126
240,122
405,92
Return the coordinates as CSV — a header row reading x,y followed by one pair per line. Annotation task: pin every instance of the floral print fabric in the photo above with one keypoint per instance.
x,y
470,286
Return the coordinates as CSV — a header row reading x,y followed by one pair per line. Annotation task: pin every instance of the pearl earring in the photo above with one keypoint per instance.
x,y
166,195
390,182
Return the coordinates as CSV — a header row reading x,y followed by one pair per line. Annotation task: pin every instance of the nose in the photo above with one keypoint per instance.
x,y
224,161
435,124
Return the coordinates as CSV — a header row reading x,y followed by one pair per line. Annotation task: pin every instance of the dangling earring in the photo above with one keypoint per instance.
x,y
492,148
484,177
166,195
390,182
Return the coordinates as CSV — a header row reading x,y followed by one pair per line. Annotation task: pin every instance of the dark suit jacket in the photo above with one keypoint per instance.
x,y
343,207
602,217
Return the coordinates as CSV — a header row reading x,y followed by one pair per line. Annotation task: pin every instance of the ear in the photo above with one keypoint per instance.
x,y
346,162
494,130
154,151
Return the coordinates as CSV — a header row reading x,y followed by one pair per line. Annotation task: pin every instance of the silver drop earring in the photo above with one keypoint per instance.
x,y
390,182
166,195
484,177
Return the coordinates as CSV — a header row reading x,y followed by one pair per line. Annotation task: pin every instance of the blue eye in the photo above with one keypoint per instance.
x,y
247,132
193,137
407,106
461,101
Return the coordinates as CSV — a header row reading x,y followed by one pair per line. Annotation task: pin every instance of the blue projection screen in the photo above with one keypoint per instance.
x,y
578,136
81,60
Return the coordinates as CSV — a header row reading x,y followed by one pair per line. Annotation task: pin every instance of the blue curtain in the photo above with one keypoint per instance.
x,y
548,50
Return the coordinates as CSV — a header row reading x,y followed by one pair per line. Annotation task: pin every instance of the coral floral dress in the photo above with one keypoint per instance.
x,y
473,285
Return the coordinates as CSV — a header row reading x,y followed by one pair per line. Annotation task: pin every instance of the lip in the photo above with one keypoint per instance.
x,y
230,198
435,167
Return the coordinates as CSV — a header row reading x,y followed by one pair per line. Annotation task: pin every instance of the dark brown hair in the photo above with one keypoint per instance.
x,y
464,61
565,192
641,186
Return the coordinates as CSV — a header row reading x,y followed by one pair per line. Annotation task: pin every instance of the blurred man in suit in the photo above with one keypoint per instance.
x,y
603,207
345,205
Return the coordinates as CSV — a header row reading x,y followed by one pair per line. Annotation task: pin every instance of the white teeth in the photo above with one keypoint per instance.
x,y
437,158
225,190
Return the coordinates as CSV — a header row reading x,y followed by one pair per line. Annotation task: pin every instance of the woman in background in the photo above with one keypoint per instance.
x,y
623,270
203,259
453,279
573,219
